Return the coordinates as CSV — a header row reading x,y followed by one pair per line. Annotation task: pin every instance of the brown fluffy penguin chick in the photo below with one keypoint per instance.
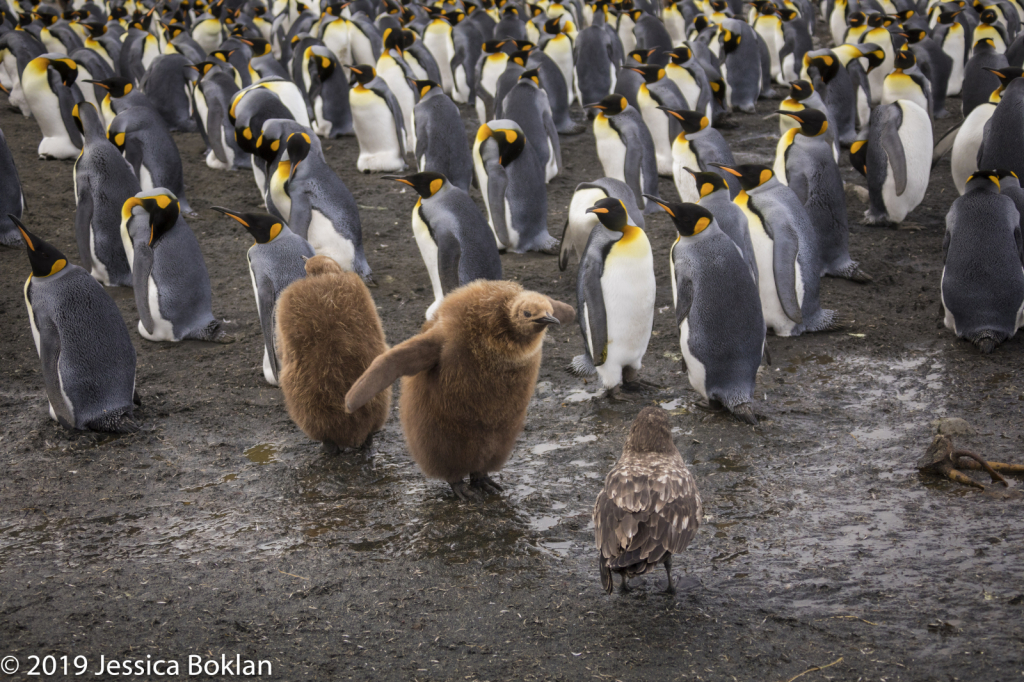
x,y
650,508
328,333
469,375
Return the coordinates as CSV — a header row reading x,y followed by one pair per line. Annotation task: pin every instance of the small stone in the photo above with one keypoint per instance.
x,y
952,426
542,388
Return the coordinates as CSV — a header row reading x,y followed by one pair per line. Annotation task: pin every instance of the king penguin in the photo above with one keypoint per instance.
x,y
441,144
741,66
718,311
580,223
625,147
452,235
276,259
142,136
47,83
615,289
172,284
715,195
378,123
527,104
698,145
88,361
12,199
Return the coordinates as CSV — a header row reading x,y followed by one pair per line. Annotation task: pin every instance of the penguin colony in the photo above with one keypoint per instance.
x,y
108,80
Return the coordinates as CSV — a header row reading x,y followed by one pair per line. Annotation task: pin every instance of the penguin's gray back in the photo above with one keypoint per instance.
x,y
527,201
593,65
631,128
527,105
979,83
164,83
466,250
441,142
733,223
151,146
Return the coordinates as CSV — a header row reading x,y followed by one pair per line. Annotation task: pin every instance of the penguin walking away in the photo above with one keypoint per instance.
x,y
468,379
593,71
718,311
527,105
276,259
1003,144
142,136
983,265
615,291
103,182
625,148
786,251
12,199
741,66
511,179
452,236
804,162
649,508
979,79
321,358
580,223
697,146
172,285
378,123
47,83
441,144
323,210
88,360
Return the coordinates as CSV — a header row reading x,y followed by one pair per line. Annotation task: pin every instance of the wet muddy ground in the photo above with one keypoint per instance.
x,y
220,529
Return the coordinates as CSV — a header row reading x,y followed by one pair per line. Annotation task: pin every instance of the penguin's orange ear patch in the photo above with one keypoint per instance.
x,y
706,189
701,225
766,175
435,186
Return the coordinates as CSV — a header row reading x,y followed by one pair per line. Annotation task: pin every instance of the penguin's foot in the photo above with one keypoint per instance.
x,y
852,272
465,493
711,406
122,422
484,482
549,246
368,450
986,344
331,448
137,399
214,333
744,412
620,394
877,219
369,280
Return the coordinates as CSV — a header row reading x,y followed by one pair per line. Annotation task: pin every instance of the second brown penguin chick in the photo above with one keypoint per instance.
x,y
469,376
328,332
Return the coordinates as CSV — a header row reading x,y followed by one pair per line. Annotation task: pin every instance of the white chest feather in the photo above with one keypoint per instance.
x,y
327,242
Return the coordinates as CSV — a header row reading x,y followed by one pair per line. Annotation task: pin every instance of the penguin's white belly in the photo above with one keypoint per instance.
x,y
657,123
163,330
56,144
99,269
695,370
268,370
612,152
628,289
954,48
428,250
916,136
510,227
551,169
393,75
322,125
964,159
260,177
764,255
439,42
145,177
728,86
683,158
375,130
327,242
581,223
460,92
281,200
563,60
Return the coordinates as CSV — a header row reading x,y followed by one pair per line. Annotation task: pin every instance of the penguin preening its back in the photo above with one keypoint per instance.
x,y
276,259
527,104
983,265
580,223
88,361
615,289
452,236
328,94
321,358
468,379
165,84
649,508
718,311
172,285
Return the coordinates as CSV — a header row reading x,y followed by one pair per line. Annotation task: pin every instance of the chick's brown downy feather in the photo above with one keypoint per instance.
x,y
328,333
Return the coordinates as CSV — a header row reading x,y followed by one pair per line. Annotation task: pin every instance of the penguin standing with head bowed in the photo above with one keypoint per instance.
x,y
615,290
983,265
172,285
581,223
718,311
329,94
802,96
741,66
698,145
166,86
786,251
441,144
527,104
803,161
625,147
142,136
250,109
88,360
594,71
103,182
377,121
47,82
452,236
323,210
276,259
511,178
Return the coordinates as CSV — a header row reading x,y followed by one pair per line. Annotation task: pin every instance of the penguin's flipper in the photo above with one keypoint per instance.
x,y
83,219
497,183
141,273
889,121
214,122
563,248
563,312
945,144
300,215
408,358
593,315
49,354
449,255
552,133
396,113
66,101
267,312
133,155
684,291
784,258
632,175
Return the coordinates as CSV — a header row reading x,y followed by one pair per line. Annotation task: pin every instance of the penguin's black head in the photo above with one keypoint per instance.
x,y
324,62
267,148
681,54
915,35
533,75
905,15
612,213
493,46
985,44
949,16
856,19
730,41
524,45
520,57
409,38
423,87
801,90
44,258
553,26
118,13
652,73
392,39
260,47
873,53
689,219
1006,75
163,210
989,16
859,156
879,20
751,175
175,30
299,145
67,69
262,226
363,74
610,105
426,184
510,144
638,57
222,55
984,179
1007,178
812,121
455,16
719,5
509,11
788,15
767,8
96,30
700,22
245,138
116,85
691,121
46,14
708,182
905,59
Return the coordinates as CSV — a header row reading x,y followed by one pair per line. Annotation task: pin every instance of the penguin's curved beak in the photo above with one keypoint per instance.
x,y
548,318
596,105
594,209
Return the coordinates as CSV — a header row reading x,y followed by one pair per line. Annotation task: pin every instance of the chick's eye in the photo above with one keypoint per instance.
x,y
526,313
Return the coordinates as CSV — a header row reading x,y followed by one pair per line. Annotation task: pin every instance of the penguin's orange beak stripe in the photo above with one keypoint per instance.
x,y
403,180
28,240
597,210
730,170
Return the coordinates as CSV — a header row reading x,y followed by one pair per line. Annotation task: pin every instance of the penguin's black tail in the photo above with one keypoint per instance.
x,y
582,366
119,422
825,321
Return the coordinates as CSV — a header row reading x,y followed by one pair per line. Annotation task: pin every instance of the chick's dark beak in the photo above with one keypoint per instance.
x,y
548,318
